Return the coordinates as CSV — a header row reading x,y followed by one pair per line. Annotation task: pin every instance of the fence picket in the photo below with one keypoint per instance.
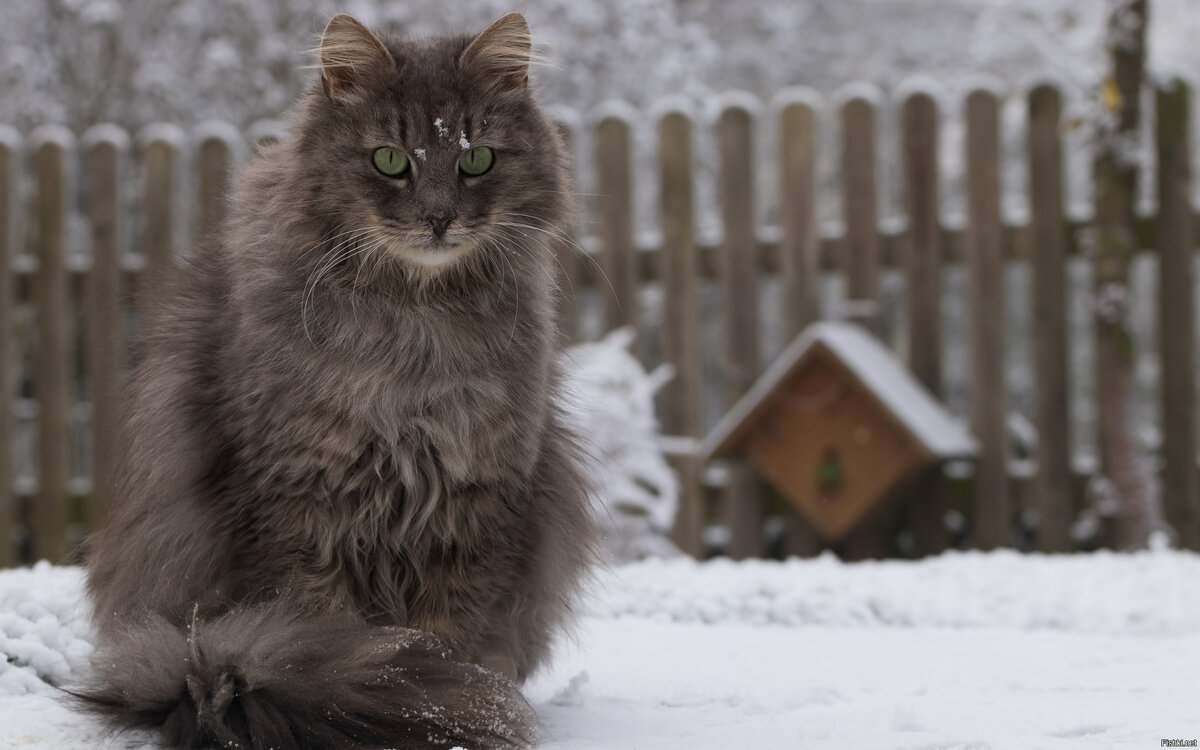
x,y
985,272
10,153
160,159
799,254
799,259
1177,259
106,149
680,264
214,160
680,399
52,150
1052,484
614,216
859,211
567,249
919,150
742,505
861,259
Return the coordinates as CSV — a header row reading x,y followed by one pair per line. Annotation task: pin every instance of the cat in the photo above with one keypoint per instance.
x,y
350,514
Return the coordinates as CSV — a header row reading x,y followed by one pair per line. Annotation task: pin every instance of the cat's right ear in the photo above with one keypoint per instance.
x,y
351,58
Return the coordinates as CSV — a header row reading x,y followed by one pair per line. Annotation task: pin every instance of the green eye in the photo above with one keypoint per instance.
x,y
475,161
390,161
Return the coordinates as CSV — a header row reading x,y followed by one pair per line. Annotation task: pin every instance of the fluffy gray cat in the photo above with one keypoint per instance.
x,y
350,515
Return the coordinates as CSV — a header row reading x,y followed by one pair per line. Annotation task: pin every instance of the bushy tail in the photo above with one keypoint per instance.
x,y
262,677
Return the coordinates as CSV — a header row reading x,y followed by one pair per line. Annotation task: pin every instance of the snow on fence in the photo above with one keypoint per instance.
x,y
65,311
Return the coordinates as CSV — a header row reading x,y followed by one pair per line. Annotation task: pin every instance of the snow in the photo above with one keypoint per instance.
x,y
877,369
55,135
42,625
967,650
613,108
859,90
801,95
609,399
219,130
698,687
923,84
10,138
463,143
107,134
671,105
744,101
165,132
1099,593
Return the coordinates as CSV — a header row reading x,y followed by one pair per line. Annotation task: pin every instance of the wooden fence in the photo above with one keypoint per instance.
x,y
91,230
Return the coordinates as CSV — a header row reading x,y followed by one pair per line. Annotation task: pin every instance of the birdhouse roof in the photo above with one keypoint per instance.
x,y
875,368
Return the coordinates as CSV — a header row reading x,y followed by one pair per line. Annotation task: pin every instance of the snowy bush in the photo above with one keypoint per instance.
x,y
610,400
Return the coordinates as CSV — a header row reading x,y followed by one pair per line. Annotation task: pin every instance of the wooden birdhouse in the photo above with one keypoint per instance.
x,y
838,424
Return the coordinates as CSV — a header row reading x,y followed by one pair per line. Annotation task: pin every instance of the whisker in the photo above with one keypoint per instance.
x,y
559,236
327,263
509,226
516,288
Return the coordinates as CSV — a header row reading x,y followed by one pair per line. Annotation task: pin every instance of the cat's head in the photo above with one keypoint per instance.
x,y
432,149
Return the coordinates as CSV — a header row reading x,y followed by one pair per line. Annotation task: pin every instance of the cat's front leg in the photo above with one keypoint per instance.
x,y
559,544
470,558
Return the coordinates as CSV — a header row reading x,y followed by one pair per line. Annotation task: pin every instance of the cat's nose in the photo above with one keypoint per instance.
x,y
439,224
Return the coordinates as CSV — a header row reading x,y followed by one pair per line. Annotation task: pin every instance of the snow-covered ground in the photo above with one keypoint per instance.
x,y
967,650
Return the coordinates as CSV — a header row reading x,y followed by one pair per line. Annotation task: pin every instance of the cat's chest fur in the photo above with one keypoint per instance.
x,y
375,451
381,421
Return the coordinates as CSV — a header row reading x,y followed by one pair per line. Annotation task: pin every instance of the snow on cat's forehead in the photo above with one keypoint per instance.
x,y
444,132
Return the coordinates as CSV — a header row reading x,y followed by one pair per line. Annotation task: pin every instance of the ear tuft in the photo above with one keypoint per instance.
x,y
351,58
500,54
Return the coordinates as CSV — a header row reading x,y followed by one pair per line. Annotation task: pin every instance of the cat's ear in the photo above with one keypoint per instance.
x,y
500,54
351,58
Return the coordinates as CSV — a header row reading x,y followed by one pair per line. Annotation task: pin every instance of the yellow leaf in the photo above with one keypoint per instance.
x,y
1110,95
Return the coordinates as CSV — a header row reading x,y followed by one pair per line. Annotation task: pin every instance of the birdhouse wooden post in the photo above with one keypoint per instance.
x,y
837,424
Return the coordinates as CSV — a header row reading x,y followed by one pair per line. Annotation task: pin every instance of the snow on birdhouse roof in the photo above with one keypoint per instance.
x,y
929,423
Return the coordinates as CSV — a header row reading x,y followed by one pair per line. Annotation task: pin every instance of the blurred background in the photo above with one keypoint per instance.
x,y
997,191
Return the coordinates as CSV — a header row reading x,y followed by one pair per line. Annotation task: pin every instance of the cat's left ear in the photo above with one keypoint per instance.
x,y
352,58
500,54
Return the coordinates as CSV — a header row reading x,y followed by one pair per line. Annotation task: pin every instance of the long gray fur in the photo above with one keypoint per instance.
x,y
344,483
